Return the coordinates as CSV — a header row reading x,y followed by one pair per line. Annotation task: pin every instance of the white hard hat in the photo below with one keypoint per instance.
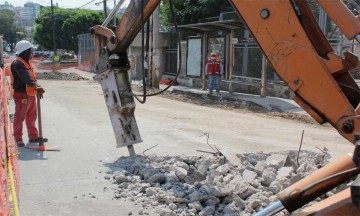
x,y
22,45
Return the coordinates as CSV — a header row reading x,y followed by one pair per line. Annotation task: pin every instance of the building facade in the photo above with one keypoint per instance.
x,y
7,5
30,11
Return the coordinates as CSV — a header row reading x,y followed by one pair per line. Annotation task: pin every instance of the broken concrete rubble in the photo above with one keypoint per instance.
x,y
198,185
55,75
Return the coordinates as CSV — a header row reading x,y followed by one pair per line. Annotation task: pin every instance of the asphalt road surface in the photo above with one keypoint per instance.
x,y
71,182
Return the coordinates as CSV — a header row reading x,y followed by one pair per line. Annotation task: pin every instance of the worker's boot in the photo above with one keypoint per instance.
x,y
37,140
20,143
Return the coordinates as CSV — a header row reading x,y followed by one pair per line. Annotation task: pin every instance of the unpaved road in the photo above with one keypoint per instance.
x,y
71,182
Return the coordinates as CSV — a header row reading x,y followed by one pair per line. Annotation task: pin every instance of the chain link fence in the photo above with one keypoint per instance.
x,y
86,53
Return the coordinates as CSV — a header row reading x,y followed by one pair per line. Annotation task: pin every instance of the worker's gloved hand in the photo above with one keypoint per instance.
x,y
40,91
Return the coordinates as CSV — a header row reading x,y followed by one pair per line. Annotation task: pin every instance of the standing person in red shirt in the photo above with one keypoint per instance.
x,y
25,88
214,70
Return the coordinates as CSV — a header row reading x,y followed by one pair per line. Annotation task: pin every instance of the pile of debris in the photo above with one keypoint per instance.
x,y
55,75
199,185
229,102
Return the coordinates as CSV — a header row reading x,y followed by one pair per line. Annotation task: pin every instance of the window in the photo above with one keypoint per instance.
x,y
193,61
170,61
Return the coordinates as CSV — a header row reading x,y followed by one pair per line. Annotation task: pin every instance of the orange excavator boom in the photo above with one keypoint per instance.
x,y
294,44
289,36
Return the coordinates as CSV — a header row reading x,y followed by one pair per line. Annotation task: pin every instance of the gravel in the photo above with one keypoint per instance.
x,y
210,185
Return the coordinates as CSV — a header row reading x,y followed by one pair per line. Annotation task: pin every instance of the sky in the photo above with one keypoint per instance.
x,y
67,3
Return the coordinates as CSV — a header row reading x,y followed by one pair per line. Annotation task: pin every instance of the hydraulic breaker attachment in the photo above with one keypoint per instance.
x,y
112,66
121,106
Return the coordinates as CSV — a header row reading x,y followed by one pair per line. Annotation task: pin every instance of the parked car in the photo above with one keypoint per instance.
x,y
37,54
6,55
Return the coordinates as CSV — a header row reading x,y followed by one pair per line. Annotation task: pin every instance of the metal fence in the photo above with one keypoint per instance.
x,y
86,52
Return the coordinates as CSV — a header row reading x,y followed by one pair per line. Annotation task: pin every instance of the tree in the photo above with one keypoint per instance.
x,y
8,28
191,11
69,23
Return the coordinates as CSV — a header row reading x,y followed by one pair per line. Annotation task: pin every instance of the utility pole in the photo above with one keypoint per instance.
x,y
115,15
156,75
105,10
53,24
148,54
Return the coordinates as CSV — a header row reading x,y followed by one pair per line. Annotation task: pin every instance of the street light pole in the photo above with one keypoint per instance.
x,y
114,16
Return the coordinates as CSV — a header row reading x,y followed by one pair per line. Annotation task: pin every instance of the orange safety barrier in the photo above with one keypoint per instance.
x,y
9,60
86,66
8,153
4,187
55,66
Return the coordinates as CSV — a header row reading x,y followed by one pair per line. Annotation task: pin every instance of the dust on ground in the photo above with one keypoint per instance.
x,y
229,103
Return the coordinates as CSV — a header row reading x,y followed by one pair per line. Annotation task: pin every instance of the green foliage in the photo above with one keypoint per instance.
x,y
191,11
69,23
8,28
7,18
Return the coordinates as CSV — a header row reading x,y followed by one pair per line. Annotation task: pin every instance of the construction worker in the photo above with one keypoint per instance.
x,y
25,89
214,71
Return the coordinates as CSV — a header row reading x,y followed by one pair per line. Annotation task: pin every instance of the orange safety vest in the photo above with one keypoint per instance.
x,y
213,69
29,90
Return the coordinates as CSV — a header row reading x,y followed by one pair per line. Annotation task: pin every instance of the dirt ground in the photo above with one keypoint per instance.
x,y
229,103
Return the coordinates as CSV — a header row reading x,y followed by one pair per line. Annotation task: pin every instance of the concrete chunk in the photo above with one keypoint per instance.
x,y
276,160
195,205
157,178
249,175
269,175
180,172
196,196
195,176
286,172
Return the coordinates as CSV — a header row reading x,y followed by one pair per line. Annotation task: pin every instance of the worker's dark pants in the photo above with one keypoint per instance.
x,y
25,109
214,79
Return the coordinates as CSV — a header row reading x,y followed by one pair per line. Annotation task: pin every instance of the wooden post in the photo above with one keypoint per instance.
x,y
263,76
